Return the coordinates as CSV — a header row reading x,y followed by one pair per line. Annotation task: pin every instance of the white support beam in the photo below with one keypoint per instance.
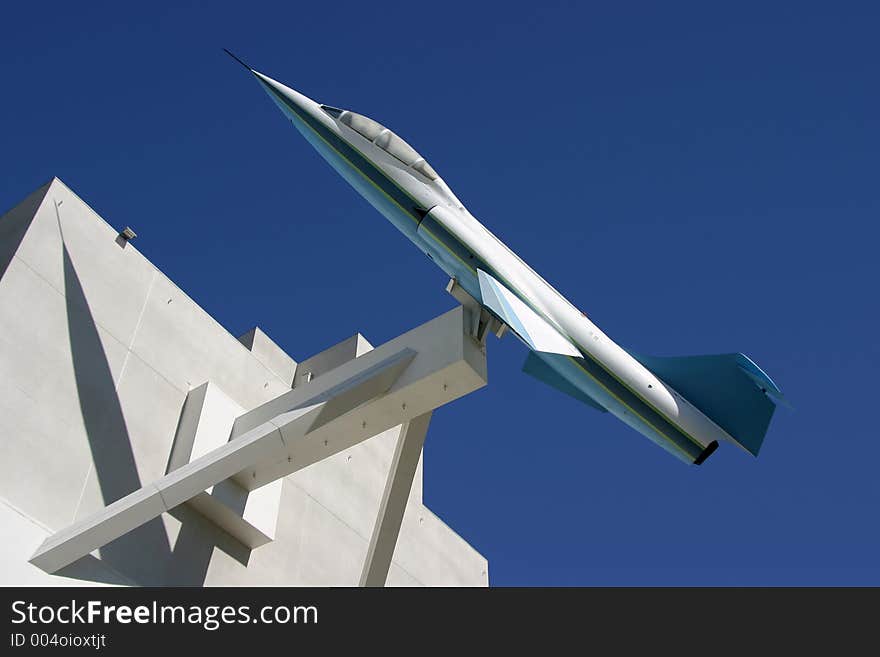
x,y
393,384
394,499
205,424
135,509
448,364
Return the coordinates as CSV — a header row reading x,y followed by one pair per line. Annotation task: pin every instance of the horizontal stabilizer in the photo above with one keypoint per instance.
x,y
536,366
730,389
533,329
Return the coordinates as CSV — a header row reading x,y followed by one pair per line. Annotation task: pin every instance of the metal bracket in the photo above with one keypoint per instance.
x,y
480,320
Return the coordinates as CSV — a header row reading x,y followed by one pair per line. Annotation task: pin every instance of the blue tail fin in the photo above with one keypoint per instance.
x,y
730,389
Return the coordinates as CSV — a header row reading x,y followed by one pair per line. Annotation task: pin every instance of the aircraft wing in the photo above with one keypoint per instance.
x,y
531,328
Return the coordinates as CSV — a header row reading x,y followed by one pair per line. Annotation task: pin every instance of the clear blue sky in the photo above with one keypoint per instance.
x,y
700,179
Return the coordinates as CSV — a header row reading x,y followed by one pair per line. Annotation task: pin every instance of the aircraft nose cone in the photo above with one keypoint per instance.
x,y
289,100
298,106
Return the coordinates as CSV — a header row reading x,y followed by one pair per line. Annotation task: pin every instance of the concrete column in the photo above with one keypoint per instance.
x,y
394,499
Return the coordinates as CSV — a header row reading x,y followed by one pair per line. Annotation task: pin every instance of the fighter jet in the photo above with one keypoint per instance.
x,y
683,404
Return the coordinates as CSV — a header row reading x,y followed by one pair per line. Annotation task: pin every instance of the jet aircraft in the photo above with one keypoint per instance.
x,y
683,404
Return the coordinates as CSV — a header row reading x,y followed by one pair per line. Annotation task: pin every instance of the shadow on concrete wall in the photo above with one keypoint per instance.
x,y
14,226
144,555
90,569
110,444
195,545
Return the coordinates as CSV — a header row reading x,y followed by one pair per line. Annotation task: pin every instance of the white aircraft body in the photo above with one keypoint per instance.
x,y
683,404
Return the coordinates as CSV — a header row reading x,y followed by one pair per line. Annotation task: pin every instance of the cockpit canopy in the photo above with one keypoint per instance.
x,y
384,139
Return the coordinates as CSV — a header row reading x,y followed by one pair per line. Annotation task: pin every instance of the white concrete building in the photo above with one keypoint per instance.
x,y
113,377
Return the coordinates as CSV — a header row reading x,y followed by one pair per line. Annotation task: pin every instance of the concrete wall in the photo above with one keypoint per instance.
x,y
98,351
